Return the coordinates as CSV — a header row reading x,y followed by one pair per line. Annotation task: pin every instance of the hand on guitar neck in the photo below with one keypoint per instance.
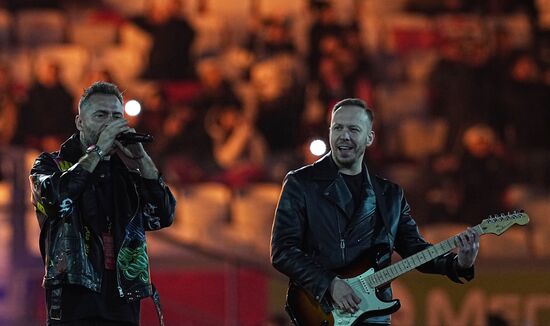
x,y
468,247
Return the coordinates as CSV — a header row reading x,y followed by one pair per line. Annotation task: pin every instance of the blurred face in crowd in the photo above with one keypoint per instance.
x,y
210,74
96,114
525,69
479,140
350,134
47,74
4,77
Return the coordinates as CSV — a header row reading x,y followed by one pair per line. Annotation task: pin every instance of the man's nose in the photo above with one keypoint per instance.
x,y
345,135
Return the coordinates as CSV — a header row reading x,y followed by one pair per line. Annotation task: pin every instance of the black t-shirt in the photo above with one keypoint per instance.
x,y
78,302
355,186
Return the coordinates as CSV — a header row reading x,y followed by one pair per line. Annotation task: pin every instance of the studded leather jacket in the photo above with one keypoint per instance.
x,y
64,200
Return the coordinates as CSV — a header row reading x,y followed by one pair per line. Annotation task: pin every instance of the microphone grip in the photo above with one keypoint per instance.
x,y
133,138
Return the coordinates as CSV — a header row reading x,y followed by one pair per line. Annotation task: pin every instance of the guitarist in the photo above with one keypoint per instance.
x,y
334,211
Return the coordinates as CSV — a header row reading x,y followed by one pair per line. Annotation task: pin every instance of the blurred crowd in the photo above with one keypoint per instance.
x,y
460,89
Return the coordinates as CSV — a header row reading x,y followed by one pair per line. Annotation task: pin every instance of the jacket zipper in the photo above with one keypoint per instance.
x,y
342,241
343,247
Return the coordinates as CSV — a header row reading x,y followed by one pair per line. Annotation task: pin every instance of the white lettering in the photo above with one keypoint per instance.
x,y
439,310
506,306
533,305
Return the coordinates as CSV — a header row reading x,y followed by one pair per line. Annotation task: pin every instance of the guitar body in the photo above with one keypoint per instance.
x,y
306,311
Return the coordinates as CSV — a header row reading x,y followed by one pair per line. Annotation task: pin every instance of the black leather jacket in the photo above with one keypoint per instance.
x,y
315,204
63,196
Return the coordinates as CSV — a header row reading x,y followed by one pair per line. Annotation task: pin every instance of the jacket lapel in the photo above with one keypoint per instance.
x,y
338,193
382,207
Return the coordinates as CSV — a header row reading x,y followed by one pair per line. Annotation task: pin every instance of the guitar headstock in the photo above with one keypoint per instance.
x,y
499,223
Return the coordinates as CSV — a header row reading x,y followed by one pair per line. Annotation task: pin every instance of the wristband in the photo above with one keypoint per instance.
x,y
95,149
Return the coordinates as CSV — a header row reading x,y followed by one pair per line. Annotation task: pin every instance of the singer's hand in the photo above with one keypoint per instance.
x,y
135,157
106,140
132,151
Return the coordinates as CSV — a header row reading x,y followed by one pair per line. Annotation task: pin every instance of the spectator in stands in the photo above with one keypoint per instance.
x,y
272,38
526,102
239,150
280,105
324,25
186,149
173,36
211,29
501,59
483,175
470,185
189,149
352,60
8,107
215,90
460,90
332,85
47,115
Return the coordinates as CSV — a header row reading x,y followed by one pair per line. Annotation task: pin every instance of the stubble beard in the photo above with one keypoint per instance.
x,y
88,138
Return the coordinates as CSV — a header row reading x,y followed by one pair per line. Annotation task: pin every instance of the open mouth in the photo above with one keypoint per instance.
x,y
344,148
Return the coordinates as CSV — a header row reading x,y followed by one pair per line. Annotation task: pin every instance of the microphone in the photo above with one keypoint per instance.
x,y
133,138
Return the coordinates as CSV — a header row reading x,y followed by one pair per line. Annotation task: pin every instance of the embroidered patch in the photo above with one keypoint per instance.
x,y
66,207
63,165
134,263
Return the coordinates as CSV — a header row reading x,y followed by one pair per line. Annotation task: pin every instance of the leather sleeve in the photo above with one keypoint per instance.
x,y
159,205
409,241
287,238
54,191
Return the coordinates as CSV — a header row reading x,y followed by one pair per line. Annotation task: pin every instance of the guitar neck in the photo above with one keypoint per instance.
x,y
387,274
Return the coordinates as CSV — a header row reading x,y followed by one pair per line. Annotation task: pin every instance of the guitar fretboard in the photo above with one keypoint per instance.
x,y
387,274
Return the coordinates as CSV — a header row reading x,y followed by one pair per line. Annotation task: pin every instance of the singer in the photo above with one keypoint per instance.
x,y
94,200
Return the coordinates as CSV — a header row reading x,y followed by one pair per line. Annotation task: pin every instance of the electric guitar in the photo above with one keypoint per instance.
x,y
365,281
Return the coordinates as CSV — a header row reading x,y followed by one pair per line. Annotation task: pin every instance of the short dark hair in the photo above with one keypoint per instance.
x,y
100,87
354,102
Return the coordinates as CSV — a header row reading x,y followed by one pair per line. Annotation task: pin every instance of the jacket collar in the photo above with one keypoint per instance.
x,y
325,168
338,192
71,149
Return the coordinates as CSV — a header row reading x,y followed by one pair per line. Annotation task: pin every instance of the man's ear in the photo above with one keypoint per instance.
x,y
78,122
370,138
